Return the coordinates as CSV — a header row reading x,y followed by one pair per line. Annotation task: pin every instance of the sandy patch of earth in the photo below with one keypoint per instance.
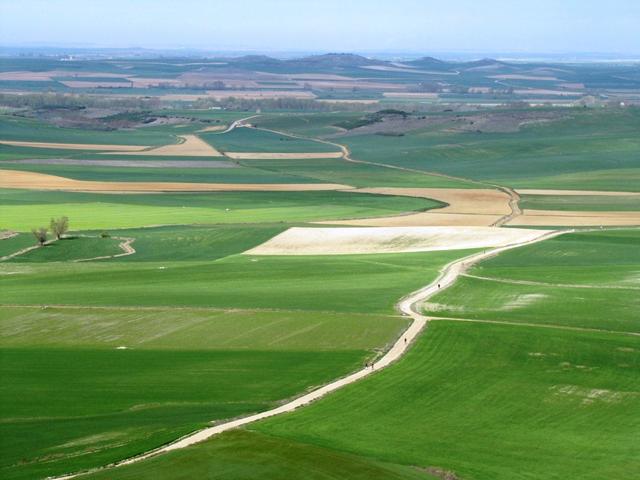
x,y
75,146
191,146
526,191
280,156
466,207
41,181
552,218
129,163
214,128
342,241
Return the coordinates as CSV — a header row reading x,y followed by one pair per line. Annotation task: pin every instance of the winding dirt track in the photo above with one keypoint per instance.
x,y
408,306
425,219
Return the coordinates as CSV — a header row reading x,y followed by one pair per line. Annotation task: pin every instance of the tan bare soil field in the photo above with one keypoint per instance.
x,y
129,163
553,218
460,200
280,156
422,219
603,193
470,207
213,128
343,241
191,146
41,181
76,146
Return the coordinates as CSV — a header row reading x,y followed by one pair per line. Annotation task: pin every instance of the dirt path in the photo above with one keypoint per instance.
x,y
26,250
125,246
514,198
407,306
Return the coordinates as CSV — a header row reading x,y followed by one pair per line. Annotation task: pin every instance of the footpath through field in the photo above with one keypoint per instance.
x,y
407,306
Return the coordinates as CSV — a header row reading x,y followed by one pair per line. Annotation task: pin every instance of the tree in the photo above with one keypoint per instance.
x,y
40,234
59,226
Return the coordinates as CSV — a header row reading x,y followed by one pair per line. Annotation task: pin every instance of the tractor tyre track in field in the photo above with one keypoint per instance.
x,y
408,306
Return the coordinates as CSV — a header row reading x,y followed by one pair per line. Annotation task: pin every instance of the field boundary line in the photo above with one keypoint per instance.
x,y
514,197
540,325
27,250
407,306
194,309
124,245
511,281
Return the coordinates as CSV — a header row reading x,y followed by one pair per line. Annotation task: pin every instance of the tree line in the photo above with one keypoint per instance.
x,y
58,227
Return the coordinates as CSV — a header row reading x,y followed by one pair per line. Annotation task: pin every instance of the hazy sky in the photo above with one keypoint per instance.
x,y
329,25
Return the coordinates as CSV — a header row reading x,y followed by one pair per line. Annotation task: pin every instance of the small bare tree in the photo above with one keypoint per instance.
x,y
59,226
40,234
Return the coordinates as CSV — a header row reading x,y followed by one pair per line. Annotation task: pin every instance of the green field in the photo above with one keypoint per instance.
x,y
526,371
355,174
239,174
70,248
23,209
32,130
346,283
190,332
549,283
589,150
597,203
483,400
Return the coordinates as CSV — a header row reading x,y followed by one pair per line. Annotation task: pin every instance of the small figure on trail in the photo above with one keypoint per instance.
x,y
405,340
438,285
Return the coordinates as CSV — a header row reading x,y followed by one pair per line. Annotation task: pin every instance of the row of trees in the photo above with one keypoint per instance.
x,y
58,227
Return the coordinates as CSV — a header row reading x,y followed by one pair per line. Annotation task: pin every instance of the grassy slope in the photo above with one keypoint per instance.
x,y
610,260
24,209
355,174
96,403
140,174
243,455
581,202
85,407
591,150
486,401
349,283
491,402
183,366
71,248
197,243
18,242
31,130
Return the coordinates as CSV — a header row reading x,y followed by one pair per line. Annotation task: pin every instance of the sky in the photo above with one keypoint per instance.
x,y
551,26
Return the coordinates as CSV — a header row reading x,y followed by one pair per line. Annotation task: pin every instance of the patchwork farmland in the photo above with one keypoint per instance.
x,y
317,271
